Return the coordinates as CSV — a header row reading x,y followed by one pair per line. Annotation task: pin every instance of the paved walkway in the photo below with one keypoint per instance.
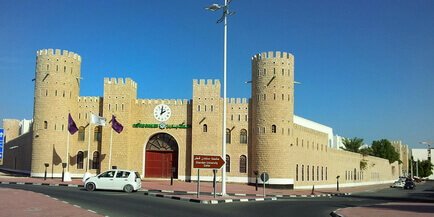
x,y
390,210
20,203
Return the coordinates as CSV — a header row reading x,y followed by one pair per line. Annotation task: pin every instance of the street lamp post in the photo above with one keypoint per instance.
x,y
226,13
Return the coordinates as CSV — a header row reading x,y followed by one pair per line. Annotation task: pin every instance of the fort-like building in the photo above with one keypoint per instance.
x,y
161,136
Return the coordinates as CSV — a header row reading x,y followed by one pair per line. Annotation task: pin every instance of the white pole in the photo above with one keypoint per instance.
x,y
110,152
88,149
67,151
67,175
224,101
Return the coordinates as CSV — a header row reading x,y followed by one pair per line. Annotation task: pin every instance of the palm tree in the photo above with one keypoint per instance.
x,y
353,144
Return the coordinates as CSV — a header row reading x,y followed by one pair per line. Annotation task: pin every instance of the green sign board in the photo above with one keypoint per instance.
x,y
167,126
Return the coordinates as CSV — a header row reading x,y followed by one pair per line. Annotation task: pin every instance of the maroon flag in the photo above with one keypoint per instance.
x,y
72,127
116,125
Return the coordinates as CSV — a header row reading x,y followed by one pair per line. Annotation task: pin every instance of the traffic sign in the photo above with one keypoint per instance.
x,y
207,162
264,177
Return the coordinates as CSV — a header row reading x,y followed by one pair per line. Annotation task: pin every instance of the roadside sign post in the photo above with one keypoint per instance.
x,y
264,179
207,162
214,181
198,183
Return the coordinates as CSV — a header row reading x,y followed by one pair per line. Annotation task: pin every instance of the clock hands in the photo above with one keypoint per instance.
x,y
162,110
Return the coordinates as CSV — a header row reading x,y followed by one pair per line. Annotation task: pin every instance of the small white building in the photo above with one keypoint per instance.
x,y
421,154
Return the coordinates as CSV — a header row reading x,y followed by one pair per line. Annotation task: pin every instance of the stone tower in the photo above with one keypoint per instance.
x,y
57,86
272,115
206,121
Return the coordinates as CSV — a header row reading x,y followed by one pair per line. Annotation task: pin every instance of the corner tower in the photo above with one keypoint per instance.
x,y
57,86
272,115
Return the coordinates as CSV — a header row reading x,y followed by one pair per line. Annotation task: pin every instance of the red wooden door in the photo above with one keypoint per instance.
x,y
159,164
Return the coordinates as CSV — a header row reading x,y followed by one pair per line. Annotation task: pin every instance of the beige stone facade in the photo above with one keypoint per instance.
x,y
261,134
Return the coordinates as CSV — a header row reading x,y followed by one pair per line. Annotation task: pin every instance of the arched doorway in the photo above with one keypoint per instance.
x,y
161,156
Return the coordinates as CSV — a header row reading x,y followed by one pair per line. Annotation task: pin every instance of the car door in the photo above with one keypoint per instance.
x,y
121,179
106,180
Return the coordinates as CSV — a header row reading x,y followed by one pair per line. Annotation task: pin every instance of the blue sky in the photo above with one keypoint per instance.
x,y
366,67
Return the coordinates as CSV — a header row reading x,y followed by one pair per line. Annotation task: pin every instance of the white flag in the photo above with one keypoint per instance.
x,y
97,120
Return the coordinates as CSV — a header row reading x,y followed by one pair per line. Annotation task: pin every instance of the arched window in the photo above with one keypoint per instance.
x,y
273,128
296,172
205,128
95,160
313,173
228,136
80,158
243,164
81,134
97,133
302,172
243,136
228,164
45,124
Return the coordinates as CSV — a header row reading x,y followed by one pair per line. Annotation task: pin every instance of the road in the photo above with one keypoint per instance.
x,y
112,203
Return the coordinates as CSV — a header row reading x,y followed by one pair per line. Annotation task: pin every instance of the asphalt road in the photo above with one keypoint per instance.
x,y
112,203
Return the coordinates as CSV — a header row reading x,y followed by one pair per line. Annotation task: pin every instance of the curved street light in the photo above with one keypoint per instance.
x,y
223,18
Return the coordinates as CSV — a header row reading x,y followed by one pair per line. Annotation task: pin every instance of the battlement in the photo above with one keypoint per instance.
x,y
165,101
58,52
236,100
208,82
272,55
89,99
120,81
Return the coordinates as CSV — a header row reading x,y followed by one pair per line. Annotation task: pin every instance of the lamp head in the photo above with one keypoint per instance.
x,y
213,7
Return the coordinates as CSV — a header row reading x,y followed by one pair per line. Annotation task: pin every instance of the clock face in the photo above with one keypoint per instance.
x,y
162,112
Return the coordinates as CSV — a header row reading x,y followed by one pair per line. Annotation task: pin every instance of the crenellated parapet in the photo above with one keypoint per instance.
x,y
209,83
206,89
120,82
59,53
89,99
272,55
236,101
165,101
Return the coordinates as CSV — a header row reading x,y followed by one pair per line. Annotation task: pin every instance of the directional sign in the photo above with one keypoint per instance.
x,y
264,177
207,162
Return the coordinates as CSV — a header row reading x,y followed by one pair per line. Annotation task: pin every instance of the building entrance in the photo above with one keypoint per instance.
x,y
161,157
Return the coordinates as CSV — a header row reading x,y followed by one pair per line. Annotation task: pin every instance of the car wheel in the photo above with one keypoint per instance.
x,y
90,186
128,188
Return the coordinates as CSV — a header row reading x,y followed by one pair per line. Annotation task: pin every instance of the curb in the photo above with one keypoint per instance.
x,y
209,201
335,214
46,184
278,196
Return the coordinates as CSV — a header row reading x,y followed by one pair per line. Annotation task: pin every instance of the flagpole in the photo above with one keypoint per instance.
x,y
88,148
67,152
67,175
110,152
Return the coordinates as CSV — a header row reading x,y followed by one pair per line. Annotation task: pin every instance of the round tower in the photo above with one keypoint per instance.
x,y
272,115
57,86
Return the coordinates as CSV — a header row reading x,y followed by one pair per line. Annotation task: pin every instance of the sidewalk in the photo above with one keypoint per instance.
x,y
20,203
388,210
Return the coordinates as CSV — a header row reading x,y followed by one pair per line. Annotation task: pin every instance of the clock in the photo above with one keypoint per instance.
x,y
162,112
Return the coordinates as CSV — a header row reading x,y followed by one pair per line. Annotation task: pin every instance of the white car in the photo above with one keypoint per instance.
x,y
125,180
398,184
